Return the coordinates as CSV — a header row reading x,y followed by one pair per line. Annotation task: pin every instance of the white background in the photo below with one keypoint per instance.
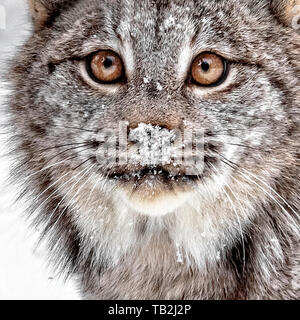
x,y
24,273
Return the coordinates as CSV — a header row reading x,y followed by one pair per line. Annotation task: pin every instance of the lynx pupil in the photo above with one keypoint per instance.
x,y
107,62
205,66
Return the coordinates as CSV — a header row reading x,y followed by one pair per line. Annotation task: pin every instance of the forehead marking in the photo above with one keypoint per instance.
x,y
127,54
184,61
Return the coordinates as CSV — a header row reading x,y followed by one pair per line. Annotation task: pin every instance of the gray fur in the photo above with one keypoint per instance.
x,y
241,243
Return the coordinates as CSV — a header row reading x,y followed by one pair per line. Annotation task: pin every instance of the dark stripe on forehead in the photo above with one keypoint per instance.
x,y
158,29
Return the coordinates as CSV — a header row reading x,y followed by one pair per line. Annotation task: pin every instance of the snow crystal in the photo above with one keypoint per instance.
x,y
179,254
158,86
146,80
169,22
154,144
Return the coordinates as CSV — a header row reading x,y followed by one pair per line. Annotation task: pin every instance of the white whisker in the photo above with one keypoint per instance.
x,y
43,169
59,188
84,171
273,198
237,216
269,187
91,191
77,192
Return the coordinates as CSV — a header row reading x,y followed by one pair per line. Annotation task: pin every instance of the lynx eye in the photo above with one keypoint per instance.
x,y
105,67
208,69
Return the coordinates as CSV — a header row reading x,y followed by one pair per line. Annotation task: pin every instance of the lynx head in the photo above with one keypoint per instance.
x,y
172,113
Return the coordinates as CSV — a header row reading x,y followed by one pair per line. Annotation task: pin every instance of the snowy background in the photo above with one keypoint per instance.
x,y
24,273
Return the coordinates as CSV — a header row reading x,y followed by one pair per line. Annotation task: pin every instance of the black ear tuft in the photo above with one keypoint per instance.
x,y
288,12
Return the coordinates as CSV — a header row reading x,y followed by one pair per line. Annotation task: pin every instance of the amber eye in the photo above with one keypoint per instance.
x,y
208,69
106,67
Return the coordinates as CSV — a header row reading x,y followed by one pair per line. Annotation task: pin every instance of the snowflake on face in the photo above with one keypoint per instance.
x,y
154,144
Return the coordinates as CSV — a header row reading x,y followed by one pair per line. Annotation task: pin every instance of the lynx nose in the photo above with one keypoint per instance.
x,y
147,133
163,120
152,145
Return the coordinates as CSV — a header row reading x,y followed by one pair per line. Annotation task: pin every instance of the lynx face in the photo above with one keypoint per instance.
x,y
226,72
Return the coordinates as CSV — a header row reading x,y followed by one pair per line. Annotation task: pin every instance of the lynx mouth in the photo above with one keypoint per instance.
x,y
155,190
163,174
153,173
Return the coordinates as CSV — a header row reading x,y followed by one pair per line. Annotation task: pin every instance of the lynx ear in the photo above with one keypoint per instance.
x,y
42,10
39,12
288,12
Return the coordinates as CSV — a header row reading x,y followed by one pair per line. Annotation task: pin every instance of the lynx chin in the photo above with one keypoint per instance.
x,y
161,212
